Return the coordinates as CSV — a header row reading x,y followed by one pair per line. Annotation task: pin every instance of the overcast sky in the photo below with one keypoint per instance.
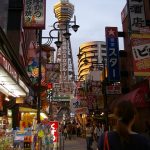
x,y
92,16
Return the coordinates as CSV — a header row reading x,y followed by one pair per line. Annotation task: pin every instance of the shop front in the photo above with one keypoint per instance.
x,y
28,117
11,87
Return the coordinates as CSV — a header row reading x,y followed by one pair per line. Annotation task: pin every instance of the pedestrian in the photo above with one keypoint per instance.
x,y
65,132
89,136
78,127
96,132
69,130
123,138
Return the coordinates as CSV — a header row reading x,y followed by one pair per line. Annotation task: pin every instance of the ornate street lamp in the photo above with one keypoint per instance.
x,y
66,34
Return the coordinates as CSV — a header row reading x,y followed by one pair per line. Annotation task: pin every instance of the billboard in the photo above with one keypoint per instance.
x,y
112,45
34,14
141,54
53,72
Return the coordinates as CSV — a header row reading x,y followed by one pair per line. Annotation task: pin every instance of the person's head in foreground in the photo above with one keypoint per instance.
x,y
123,138
125,113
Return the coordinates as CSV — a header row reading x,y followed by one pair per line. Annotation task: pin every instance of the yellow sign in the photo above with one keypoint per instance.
x,y
141,35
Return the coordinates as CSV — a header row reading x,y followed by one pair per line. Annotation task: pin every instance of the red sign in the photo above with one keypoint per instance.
x,y
54,130
8,67
34,14
49,86
113,89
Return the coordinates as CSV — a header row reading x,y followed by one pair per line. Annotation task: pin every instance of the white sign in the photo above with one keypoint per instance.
x,y
137,14
141,51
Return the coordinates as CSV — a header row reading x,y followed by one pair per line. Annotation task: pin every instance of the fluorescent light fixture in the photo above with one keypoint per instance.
x,y
6,91
9,112
44,115
7,99
11,87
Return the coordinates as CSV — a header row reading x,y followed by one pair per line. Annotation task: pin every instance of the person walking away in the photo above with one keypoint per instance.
x,y
69,130
123,138
89,136
97,132
78,130
65,132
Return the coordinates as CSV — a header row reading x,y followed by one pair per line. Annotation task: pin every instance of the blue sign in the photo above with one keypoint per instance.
x,y
112,53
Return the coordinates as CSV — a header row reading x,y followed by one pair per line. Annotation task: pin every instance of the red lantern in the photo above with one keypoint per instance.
x,y
49,86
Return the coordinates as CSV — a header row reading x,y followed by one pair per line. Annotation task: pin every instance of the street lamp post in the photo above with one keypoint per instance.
x,y
67,34
39,79
58,44
102,66
104,84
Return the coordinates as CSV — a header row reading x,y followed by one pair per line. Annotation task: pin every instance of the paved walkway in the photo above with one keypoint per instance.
x,y
76,144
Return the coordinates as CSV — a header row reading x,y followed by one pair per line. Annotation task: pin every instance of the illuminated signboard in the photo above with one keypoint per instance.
x,y
54,130
8,67
112,53
141,54
34,13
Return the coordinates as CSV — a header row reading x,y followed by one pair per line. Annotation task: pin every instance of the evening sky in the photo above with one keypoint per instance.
x,y
92,16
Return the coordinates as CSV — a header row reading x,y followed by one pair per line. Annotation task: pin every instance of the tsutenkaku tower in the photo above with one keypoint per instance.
x,y
64,11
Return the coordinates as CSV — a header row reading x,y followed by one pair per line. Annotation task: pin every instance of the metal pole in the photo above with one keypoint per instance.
x,y
50,109
105,94
40,77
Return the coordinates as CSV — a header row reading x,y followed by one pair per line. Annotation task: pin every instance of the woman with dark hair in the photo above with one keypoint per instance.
x,y
89,136
123,138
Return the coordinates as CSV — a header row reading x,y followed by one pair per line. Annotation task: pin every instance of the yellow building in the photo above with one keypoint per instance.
x,y
90,52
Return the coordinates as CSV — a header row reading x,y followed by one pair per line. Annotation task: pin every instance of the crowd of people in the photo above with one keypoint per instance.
x,y
71,130
122,137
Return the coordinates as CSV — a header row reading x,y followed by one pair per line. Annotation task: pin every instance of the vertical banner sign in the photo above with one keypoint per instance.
x,y
136,14
112,53
34,14
1,102
124,13
54,130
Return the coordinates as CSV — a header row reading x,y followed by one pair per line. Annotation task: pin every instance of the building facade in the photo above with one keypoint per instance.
x,y
90,52
135,68
15,84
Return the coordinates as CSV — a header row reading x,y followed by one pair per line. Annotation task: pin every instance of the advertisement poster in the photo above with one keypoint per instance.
x,y
141,54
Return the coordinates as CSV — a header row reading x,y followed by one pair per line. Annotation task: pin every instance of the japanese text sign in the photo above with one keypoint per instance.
x,y
34,14
136,14
54,130
112,53
141,54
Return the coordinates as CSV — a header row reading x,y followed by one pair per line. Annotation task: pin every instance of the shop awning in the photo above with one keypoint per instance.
x,y
139,97
10,81
9,86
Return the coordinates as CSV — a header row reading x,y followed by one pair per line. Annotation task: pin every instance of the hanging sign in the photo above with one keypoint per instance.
x,y
34,14
112,53
136,14
54,130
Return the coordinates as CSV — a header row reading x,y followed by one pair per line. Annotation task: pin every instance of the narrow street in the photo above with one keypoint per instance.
x,y
76,144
